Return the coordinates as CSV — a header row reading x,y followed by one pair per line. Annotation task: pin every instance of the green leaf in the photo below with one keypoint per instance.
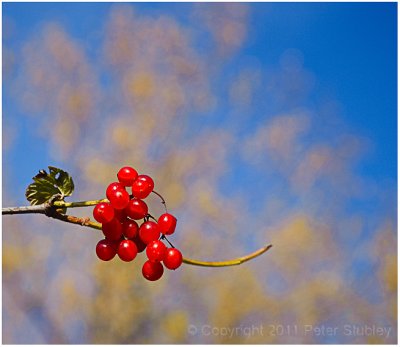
x,y
46,185
63,180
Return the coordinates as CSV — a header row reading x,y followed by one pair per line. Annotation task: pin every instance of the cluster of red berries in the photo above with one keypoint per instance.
x,y
124,237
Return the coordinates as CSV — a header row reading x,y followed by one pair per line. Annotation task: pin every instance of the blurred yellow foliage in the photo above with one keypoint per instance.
x,y
175,325
142,86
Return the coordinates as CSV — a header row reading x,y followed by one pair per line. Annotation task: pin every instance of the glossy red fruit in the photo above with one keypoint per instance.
x,y
112,230
141,246
127,175
127,250
142,187
106,250
167,223
172,258
103,212
136,209
156,250
115,244
120,215
113,187
152,271
119,199
130,229
149,231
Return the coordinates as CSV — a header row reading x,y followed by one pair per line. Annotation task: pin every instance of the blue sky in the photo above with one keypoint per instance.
x,y
350,47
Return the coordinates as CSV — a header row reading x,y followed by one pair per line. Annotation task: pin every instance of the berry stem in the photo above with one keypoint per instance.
x,y
162,200
236,261
79,203
50,210
163,237
150,216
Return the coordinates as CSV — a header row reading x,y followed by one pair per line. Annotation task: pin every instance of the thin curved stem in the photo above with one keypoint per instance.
x,y
232,262
163,237
162,200
50,211
78,203
237,261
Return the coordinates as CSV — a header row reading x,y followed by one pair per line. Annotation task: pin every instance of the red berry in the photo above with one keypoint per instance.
x,y
156,250
127,175
141,246
148,232
119,199
120,215
113,187
172,259
167,223
103,212
136,209
152,271
130,229
106,250
142,187
115,244
127,250
112,230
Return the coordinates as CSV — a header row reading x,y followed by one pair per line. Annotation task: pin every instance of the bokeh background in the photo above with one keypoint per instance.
x,y
260,123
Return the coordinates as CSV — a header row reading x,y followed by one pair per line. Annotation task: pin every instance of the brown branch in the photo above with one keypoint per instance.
x,y
51,211
25,209
85,221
